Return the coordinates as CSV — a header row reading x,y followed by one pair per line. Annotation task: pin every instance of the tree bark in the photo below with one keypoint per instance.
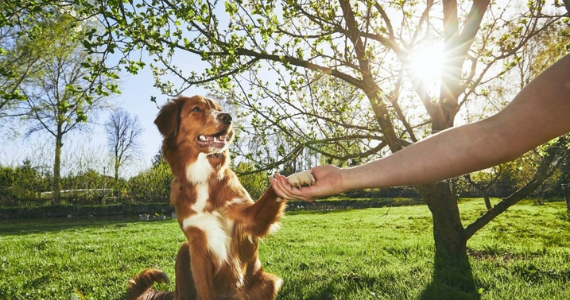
x,y
565,187
56,185
117,165
448,232
487,200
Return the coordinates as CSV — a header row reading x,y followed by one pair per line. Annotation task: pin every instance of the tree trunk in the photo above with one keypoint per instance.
x,y
487,200
56,186
565,187
448,231
117,165
115,190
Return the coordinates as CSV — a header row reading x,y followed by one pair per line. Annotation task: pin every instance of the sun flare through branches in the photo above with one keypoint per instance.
x,y
426,62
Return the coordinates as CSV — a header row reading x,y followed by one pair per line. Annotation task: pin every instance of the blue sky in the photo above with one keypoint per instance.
x,y
136,91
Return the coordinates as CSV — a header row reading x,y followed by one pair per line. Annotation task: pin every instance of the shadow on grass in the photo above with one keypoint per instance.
x,y
337,287
321,294
22,227
452,279
328,206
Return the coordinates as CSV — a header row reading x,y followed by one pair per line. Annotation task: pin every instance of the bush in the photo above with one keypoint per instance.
x,y
152,185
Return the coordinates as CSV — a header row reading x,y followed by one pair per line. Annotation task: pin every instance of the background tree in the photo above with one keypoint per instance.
x,y
15,66
88,185
123,131
55,91
484,181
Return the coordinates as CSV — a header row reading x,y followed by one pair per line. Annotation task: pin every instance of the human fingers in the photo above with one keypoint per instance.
x,y
328,182
283,188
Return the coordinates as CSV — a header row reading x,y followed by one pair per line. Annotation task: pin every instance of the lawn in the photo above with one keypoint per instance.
x,y
380,253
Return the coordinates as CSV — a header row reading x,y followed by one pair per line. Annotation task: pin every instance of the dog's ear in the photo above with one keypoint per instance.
x,y
168,118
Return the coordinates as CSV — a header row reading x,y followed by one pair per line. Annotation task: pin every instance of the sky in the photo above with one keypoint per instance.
x,y
136,91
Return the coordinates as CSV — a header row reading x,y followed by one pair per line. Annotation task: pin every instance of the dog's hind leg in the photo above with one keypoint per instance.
x,y
185,287
262,286
199,263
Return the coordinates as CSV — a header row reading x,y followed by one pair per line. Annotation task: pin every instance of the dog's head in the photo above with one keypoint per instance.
x,y
196,124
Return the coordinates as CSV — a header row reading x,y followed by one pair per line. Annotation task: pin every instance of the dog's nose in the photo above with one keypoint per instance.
x,y
226,118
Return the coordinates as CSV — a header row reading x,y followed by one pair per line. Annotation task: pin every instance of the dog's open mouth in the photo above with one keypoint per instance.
x,y
218,140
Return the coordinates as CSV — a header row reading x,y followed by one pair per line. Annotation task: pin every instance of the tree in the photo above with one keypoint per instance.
x,y
15,66
369,46
56,91
123,131
486,180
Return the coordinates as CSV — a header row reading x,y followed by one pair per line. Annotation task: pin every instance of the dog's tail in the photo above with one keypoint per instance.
x,y
139,287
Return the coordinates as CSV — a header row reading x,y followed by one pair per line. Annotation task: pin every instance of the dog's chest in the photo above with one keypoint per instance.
x,y
215,225
202,193
200,170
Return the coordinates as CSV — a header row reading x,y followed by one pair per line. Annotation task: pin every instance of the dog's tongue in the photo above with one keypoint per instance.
x,y
212,141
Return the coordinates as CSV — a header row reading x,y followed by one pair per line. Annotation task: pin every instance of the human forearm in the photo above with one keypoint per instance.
x,y
447,154
450,153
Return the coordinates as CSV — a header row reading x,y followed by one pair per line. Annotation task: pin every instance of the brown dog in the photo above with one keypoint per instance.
x,y
220,220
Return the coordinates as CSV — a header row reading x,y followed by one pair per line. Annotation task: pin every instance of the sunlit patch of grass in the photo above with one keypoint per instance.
x,y
384,253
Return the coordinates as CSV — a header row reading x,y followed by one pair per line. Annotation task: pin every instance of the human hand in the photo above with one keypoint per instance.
x,y
328,181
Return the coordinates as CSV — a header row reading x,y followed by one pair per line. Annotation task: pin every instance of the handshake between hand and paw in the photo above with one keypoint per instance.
x,y
301,179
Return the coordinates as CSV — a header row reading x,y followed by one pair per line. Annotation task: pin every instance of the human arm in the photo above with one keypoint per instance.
x,y
538,113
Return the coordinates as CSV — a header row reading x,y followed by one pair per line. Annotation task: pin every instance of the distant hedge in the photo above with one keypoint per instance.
x,y
68,211
164,209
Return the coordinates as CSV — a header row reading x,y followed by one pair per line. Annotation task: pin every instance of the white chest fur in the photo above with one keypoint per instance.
x,y
202,196
200,170
216,228
216,231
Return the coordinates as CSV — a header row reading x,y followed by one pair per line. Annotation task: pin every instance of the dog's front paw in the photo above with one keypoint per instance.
x,y
301,179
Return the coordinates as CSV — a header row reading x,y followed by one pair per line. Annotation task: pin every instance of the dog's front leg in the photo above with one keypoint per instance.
x,y
201,265
267,210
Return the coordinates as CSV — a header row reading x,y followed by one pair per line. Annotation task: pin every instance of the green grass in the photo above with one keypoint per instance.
x,y
384,253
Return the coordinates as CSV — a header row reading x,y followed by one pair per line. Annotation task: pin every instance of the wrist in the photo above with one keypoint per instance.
x,y
364,176
347,183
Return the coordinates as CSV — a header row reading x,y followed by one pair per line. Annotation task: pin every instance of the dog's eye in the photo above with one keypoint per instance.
x,y
196,109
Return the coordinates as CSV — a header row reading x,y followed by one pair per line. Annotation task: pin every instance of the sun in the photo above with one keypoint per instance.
x,y
427,61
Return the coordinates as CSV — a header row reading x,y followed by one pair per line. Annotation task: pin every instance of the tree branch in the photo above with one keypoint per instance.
x,y
546,168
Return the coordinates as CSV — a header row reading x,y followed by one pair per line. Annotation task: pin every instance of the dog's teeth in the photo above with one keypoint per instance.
x,y
202,138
